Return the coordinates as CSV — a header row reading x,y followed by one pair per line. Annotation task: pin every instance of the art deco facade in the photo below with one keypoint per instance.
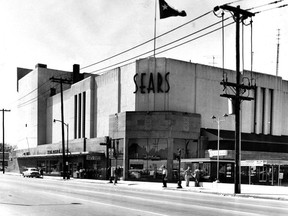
x,y
149,109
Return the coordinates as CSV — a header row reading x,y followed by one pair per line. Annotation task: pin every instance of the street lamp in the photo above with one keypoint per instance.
x,y
218,120
67,126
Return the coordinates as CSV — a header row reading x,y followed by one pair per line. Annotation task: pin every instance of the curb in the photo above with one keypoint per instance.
x,y
184,189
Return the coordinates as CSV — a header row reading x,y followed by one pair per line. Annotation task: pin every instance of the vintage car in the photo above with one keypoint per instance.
x,y
31,172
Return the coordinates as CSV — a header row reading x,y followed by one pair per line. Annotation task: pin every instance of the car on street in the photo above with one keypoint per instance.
x,y
31,172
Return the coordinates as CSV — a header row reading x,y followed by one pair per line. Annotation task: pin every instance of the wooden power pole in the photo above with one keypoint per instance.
x,y
3,159
61,81
239,16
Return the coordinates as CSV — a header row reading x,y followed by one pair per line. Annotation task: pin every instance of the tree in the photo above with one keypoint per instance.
x,y
7,148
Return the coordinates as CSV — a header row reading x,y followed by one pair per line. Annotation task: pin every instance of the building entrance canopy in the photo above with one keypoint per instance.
x,y
59,155
263,162
249,142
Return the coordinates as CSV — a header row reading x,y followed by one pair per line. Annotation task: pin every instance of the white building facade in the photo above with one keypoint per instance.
x,y
149,110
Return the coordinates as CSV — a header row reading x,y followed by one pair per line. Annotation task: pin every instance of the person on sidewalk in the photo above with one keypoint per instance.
x,y
187,174
41,172
197,174
165,176
116,174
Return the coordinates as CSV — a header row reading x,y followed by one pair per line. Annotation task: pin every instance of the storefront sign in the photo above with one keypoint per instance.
x,y
153,83
53,151
214,153
252,163
93,157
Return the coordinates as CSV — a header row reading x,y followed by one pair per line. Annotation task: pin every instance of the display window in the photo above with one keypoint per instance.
x,y
146,157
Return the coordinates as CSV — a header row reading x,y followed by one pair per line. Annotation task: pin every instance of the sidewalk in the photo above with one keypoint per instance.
x,y
252,191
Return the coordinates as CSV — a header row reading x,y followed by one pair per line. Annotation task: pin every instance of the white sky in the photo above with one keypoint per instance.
x,y
67,32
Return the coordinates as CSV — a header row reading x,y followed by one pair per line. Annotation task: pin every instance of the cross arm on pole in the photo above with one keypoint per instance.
x,y
235,10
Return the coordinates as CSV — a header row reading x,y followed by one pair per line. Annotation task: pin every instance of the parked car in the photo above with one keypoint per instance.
x,y
31,172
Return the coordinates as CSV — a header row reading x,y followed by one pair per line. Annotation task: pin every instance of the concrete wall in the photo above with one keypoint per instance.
x,y
170,126
113,94
194,88
34,90
106,99
54,131
27,110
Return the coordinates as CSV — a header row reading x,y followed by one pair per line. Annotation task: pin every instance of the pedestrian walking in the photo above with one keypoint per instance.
x,y
165,176
41,172
197,174
187,174
116,173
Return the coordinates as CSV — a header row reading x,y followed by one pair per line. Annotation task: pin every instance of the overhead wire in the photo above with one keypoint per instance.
x,y
16,102
125,51
234,2
168,43
196,37
161,35
281,6
160,47
34,90
263,5
31,100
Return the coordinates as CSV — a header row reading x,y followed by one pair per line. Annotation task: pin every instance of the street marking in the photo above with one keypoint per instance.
x,y
108,204
229,211
119,189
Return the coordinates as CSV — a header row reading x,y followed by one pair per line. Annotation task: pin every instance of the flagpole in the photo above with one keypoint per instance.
x,y
155,29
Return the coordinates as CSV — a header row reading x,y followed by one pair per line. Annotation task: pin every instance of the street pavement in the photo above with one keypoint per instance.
x,y
224,189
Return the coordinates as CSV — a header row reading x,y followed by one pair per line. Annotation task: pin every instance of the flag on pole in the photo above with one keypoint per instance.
x,y
167,11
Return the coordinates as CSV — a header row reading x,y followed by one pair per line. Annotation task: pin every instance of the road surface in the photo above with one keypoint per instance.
x,y
27,196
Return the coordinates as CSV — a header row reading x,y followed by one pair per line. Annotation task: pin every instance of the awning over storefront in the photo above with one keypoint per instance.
x,y
264,162
249,141
70,154
203,160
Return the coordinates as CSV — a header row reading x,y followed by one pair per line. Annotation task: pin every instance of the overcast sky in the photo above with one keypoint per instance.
x,y
67,32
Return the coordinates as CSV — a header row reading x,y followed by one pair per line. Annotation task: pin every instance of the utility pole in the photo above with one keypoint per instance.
x,y
278,47
61,81
3,159
239,15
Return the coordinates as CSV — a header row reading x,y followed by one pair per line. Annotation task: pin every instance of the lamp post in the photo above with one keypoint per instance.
x,y
218,120
67,127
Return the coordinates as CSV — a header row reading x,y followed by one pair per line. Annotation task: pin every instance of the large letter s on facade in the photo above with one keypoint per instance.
x,y
167,82
135,81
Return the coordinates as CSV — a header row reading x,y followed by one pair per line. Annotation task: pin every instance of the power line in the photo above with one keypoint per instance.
x,y
196,38
281,6
175,46
47,82
32,100
43,94
233,2
125,51
263,5
160,47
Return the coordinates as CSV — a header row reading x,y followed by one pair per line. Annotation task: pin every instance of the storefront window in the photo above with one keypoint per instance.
x,y
41,165
146,156
55,167
188,148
